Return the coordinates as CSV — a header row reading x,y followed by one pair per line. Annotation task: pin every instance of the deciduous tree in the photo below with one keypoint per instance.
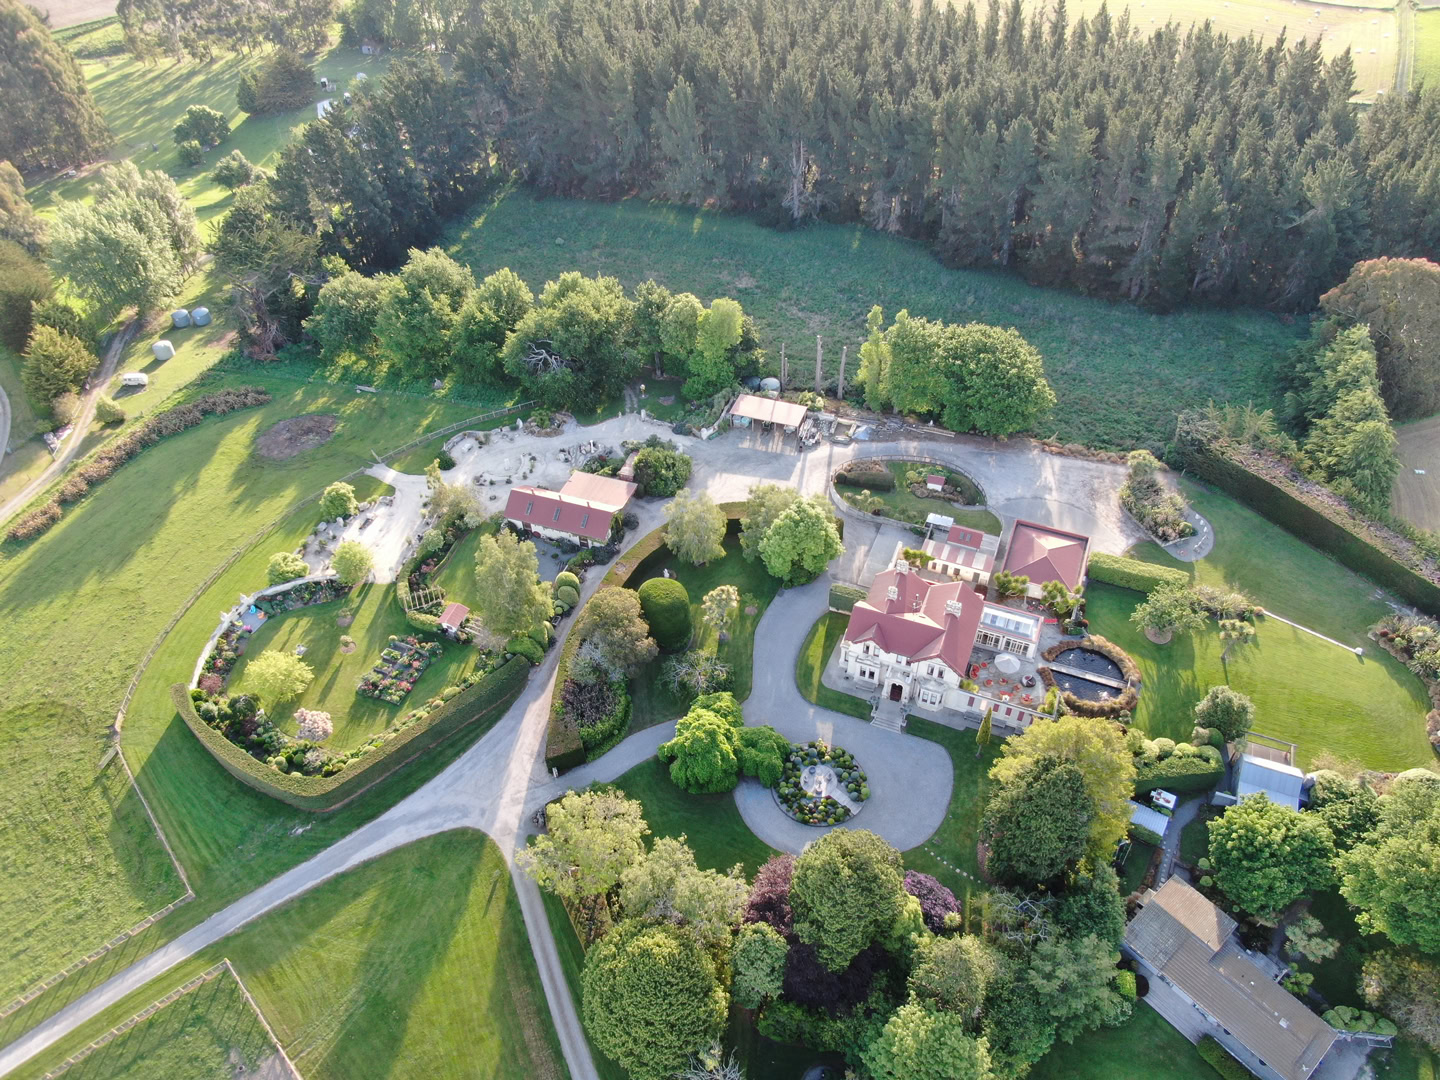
x,y
953,974
338,500
702,754
1266,855
615,634
666,886
801,541
277,677
695,527
1098,750
765,503
347,311
759,962
352,562
1390,876
590,839
511,599
651,997
285,566
846,892
919,1043
1225,710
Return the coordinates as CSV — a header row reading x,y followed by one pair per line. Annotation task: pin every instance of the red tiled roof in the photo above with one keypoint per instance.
x,y
935,479
959,534
915,623
541,509
454,616
1042,553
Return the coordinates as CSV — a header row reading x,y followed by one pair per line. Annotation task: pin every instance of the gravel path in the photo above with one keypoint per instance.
x,y
497,784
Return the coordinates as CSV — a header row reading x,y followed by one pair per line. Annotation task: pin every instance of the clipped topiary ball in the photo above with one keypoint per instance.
x,y
666,606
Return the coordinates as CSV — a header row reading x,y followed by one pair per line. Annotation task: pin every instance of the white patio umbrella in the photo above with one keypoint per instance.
x,y
1007,663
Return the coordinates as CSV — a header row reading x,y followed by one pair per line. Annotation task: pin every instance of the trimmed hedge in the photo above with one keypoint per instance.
x,y
845,597
1133,574
1147,836
1329,528
526,647
1177,774
486,700
563,747
872,478
1222,1061
666,605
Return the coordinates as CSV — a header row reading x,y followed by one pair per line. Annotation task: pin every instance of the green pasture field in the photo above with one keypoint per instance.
x,y
143,103
1306,690
208,1034
80,608
377,616
823,279
409,967
1427,49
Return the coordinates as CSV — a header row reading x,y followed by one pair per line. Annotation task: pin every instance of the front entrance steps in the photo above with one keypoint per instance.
x,y
889,715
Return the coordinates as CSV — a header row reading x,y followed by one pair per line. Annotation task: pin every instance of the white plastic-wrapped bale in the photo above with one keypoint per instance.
x,y
200,316
163,350
771,383
180,317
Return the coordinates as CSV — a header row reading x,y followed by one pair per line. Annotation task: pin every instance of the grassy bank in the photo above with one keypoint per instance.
x,y
815,652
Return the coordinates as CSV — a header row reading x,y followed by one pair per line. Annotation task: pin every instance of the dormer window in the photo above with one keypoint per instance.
x,y
529,507
557,513
584,520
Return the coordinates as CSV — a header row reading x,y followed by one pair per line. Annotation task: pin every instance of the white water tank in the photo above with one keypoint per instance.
x,y
770,383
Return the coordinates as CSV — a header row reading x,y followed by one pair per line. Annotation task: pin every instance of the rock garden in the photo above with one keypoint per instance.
x,y
821,784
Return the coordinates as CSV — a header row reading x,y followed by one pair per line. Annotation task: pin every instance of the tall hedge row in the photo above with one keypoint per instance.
x,y
1322,526
1132,573
486,700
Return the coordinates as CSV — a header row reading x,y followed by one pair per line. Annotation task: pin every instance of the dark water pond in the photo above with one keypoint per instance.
x,y
1094,662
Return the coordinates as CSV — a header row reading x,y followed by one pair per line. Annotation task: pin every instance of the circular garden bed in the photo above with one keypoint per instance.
x,y
821,784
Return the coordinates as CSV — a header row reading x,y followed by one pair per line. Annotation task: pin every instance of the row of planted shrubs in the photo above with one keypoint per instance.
x,y
1132,573
845,597
110,457
486,699
1222,1061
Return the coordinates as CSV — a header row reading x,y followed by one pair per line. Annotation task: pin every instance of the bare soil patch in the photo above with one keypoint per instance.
x,y
345,618
296,435
225,340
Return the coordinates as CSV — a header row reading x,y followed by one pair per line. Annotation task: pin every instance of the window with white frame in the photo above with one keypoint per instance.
x,y
930,697
989,640
869,674
935,671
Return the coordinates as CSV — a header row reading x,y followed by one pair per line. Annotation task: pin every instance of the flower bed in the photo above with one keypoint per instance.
x,y
811,809
230,644
400,666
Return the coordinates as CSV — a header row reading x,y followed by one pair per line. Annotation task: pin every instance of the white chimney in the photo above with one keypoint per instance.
x,y
892,593
953,607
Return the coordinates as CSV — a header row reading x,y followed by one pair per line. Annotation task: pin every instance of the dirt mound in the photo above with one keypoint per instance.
x,y
296,435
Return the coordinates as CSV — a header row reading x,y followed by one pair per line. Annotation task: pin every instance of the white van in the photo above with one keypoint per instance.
x,y
135,378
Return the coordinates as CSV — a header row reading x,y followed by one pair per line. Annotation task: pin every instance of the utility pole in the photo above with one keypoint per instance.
x,y
783,373
840,387
818,354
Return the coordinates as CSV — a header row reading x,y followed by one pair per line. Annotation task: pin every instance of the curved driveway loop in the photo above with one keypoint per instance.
x,y
910,778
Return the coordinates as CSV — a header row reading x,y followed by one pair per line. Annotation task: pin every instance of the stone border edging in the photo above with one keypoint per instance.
x,y
269,590
209,974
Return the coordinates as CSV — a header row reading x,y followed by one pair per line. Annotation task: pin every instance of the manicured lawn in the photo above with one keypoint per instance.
x,y
1306,690
410,967
1279,570
903,505
377,616
1136,863
204,1035
713,825
956,838
1145,1048
80,608
653,703
819,643
824,278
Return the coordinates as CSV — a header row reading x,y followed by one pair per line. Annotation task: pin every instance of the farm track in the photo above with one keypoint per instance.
x,y
98,384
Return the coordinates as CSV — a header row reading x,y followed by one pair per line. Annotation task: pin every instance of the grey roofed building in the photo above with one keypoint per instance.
x,y
1188,943
1278,781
